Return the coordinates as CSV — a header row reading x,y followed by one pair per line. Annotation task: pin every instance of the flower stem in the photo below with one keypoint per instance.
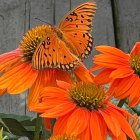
x,y
121,102
37,128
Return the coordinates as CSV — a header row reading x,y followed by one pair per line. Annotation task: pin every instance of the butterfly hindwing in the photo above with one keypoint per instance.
x,y
53,53
77,26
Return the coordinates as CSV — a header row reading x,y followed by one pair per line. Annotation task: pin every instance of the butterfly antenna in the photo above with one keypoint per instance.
x,y
42,21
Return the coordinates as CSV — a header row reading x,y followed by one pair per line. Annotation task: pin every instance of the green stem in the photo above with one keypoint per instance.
x,y
37,128
121,102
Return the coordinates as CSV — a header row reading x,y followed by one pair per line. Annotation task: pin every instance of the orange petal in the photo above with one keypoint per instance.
x,y
122,86
122,111
134,93
47,122
112,51
83,74
49,102
62,76
53,92
64,85
7,59
136,49
137,101
103,77
60,125
18,78
78,121
95,67
125,126
113,86
121,72
122,136
86,134
59,110
110,61
33,97
97,126
13,54
2,91
111,122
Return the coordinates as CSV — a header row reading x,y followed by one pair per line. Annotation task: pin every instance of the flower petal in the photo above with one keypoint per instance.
x,y
95,67
59,110
2,91
7,59
122,136
121,72
83,74
122,86
18,78
111,122
112,51
33,97
103,77
136,49
53,92
97,126
60,125
110,61
134,93
64,85
125,126
85,135
78,121
61,75
47,122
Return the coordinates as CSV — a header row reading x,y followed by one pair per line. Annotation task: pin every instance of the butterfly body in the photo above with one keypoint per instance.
x,y
63,47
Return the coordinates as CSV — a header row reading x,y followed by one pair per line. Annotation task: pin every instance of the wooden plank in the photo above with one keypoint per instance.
x,y
127,23
103,30
61,9
42,10
11,30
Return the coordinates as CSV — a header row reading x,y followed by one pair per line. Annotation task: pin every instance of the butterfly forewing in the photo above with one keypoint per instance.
x,y
77,26
80,18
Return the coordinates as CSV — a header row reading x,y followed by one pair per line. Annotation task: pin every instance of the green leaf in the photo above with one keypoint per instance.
x,y
28,122
14,126
17,117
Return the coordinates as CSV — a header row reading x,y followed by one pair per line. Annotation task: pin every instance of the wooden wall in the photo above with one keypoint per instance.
x,y
117,23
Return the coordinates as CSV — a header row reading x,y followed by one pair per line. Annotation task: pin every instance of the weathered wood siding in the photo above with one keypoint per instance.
x,y
17,16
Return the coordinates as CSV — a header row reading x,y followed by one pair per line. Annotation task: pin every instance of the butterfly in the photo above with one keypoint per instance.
x,y
64,46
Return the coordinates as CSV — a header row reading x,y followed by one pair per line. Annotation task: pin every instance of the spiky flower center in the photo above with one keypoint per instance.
x,y
135,63
63,137
32,39
88,95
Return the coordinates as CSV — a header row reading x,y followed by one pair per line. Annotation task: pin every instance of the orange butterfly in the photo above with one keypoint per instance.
x,y
63,46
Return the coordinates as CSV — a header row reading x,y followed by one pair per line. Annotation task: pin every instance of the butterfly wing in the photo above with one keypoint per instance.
x,y
77,26
53,53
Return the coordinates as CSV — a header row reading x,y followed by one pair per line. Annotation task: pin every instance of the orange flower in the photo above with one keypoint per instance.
x,y
123,69
18,74
84,110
